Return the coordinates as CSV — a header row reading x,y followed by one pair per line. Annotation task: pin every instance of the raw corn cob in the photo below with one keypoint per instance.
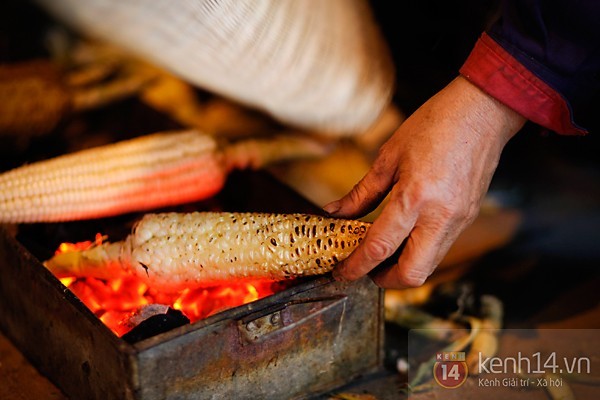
x,y
171,251
152,171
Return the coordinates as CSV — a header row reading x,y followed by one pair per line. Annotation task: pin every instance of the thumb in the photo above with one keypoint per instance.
x,y
364,196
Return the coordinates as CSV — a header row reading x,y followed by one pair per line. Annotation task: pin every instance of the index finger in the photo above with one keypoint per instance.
x,y
384,237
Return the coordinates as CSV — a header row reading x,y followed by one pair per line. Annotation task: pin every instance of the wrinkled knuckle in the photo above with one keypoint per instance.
x,y
358,195
413,279
379,249
454,207
410,198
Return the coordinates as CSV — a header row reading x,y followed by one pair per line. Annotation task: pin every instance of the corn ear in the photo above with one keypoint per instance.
x,y
140,174
171,251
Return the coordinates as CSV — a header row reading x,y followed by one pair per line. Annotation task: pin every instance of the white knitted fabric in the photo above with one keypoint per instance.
x,y
317,64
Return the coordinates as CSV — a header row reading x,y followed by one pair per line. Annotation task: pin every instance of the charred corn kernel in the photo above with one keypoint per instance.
x,y
135,175
171,251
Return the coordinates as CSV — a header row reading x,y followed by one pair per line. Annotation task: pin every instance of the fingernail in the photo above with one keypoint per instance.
x,y
332,207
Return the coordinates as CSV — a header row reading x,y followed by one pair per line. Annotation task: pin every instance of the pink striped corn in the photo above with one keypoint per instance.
x,y
140,174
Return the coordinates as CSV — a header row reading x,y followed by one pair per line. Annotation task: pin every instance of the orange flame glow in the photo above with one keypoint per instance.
x,y
68,247
116,300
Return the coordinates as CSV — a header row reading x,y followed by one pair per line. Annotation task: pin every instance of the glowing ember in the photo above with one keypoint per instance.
x,y
67,247
116,300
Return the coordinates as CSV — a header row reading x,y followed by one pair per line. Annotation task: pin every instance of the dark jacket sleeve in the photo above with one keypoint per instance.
x,y
542,59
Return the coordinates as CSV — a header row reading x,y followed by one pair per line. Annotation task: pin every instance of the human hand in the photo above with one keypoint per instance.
x,y
436,168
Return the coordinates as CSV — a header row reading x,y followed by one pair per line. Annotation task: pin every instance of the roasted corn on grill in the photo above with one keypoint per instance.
x,y
177,250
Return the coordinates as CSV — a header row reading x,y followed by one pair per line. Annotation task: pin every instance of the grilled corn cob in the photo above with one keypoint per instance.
x,y
139,174
171,251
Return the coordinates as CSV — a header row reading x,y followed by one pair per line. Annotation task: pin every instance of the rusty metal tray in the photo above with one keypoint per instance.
x,y
308,339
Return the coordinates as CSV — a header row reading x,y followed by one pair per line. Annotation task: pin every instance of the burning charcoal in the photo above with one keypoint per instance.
x,y
145,312
155,325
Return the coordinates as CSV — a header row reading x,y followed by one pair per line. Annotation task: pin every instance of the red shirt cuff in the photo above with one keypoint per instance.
x,y
499,74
